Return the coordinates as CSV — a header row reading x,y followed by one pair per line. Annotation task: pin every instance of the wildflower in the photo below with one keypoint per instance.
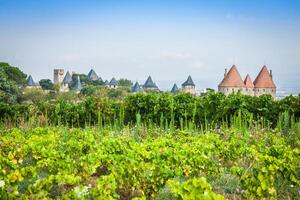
x,y
2,183
81,191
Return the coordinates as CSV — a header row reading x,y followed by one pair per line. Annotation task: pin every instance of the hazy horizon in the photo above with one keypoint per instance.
x,y
168,40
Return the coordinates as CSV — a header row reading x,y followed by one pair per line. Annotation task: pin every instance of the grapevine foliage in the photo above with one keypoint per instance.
x,y
66,163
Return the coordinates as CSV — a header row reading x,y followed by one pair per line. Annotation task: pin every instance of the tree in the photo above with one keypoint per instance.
x,y
125,83
33,95
12,79
210,90
13,74
96,83
117,93
89,90
46,84
86,81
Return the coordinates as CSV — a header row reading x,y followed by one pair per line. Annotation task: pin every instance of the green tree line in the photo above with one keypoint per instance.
x,y
154,108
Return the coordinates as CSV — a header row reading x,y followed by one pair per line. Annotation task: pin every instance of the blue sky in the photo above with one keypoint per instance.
x,y
166,39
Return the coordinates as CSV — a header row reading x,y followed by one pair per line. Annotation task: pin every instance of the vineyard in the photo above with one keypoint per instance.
x,y
155,109
152,146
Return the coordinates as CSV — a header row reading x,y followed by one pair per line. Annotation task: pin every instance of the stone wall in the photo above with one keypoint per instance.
x,y
262,91
64,88
248,91
189,89
229,90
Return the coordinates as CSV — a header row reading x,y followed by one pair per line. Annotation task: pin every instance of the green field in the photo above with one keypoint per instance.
x,y
151,146
151,163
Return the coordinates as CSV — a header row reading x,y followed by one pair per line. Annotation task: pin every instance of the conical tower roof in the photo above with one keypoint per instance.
x,y
264,79
149,83
248,82
174,88
92,75
106,82
137,88
188,82
113,81
30,81
100,79
78,85
232,79
67,78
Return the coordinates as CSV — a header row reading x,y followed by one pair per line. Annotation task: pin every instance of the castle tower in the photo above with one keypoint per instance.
x,y
174,88
58,76
249,86
137,88
113,83
66,83
232,82
77,87
189,86
149,85
264,84
31,83
92,75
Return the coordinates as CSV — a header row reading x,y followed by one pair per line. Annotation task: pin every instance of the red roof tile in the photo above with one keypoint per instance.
x,y
248,82
264,79
232,79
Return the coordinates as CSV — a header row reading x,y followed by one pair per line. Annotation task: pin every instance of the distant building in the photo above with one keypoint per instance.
x,y
31,83
58,76
106,83
100,79
232,82
174,89
92,75
137,88
263,84
249,86
188,86
77,87
65,86
113,83
150,85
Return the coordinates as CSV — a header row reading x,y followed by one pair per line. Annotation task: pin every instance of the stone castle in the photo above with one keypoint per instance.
x,y
231,83
188,86
263,84
64,81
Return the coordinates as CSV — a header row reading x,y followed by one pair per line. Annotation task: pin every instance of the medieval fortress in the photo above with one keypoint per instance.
x,y
231,83
263,83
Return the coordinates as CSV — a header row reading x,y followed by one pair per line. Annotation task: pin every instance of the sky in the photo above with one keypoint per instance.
x,y
167,39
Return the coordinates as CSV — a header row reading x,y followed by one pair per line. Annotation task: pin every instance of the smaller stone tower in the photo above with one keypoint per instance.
x,y
113,83
58,76
264,84
92,75
232,82
175,88
65,86
249,86
149,85
189,86
137,88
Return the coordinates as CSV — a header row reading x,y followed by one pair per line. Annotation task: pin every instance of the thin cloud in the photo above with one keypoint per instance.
x,y
197,64
176,56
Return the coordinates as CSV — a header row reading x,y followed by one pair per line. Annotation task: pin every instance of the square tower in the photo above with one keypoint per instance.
x,y
58,76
